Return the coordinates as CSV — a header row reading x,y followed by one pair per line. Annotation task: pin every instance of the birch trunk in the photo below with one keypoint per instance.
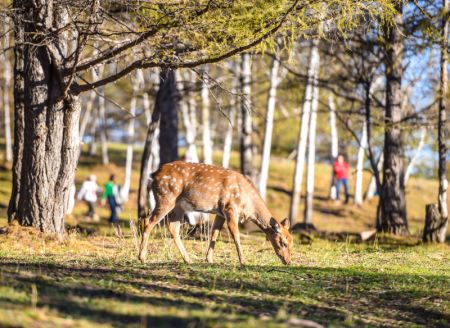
x,y
360,165
137,83
416,156
246,143
312,144
303,134
207,143
267,144
228,142
435,230
102,125
7,88
334,143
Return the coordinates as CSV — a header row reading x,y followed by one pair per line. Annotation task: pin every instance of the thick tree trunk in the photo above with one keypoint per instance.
x,y
228,142
436,225
391,214
19,114
274,81
312,147
206,125
334,143
164,98
416,156
7,88
303,134
360,165
246,143
50,150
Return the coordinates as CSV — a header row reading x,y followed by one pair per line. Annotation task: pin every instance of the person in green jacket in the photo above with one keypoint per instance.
x,y
110,195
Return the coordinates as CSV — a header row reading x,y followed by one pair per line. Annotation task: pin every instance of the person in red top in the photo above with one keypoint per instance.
x,y
341,170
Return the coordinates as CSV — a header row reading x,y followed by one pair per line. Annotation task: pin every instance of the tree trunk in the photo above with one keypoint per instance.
x,y
189,119
303,134
227,144
436,225
372,188
137,83
360,165
164,98
312,145
391,213
102,126
246,143
7,88
416,155
207,143
168,136
334,143
267,144
49,155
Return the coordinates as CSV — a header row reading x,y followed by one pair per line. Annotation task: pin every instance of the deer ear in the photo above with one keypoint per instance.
x,y
274,225
286,223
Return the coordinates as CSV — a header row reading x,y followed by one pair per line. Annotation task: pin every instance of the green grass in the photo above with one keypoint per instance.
x,y
97,280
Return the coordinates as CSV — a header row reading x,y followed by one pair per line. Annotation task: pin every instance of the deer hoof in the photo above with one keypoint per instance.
x,y
142,258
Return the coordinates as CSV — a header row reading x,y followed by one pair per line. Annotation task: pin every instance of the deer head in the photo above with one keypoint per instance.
x,y
282,241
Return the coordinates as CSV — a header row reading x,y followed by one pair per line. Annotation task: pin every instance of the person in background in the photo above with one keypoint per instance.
x,y
341,170
88,193
109,194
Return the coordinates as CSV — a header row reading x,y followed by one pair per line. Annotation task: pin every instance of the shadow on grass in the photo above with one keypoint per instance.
x,y
210,294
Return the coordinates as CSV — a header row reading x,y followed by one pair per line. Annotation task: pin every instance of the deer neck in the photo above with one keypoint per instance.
x,y
261,214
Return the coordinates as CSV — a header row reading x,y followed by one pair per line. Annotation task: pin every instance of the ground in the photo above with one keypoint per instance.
x,y
96,280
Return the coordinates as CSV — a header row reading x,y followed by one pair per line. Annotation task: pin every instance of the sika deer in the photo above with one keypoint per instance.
x,y
181,187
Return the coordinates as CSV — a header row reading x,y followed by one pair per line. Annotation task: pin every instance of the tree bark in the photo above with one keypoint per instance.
x,y
391,213
312,145
51,145
87,116
303,134
164,98
360,164
137,83
372,188
206,126
168,135
189,118
246,142
334,143
19,111
436,225
274,81
228,142
6,90
103,125
416,156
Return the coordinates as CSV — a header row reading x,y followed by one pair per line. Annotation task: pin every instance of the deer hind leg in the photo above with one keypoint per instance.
x,y
233,227
175,218
160,211
217,226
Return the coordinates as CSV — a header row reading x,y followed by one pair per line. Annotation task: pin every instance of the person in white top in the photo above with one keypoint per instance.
x,y
88,193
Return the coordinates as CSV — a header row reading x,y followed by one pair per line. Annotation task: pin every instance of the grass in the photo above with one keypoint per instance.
x,y
97,280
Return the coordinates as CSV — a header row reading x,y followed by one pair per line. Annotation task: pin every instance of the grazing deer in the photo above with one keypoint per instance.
x,y
181,187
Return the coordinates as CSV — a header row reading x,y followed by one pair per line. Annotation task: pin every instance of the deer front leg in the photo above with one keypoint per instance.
x,y
217,226
233,226
174,227
158,214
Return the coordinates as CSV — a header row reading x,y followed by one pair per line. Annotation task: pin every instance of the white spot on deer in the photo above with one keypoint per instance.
x,y
167,177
